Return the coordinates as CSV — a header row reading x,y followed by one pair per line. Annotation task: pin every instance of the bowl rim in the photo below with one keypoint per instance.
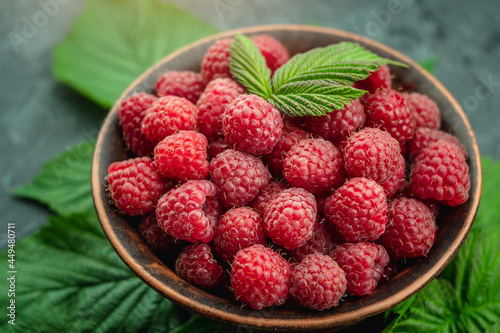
x,y
337,319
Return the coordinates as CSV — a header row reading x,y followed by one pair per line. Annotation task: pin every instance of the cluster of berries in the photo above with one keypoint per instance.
x,y
306,208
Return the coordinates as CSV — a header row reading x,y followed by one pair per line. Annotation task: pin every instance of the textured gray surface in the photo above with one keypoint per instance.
x,y
41,117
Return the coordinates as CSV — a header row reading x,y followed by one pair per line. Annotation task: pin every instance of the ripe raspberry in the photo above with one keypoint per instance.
x,y
239,176
134,185
181,211
371,153
218,93
358,210
315,165
155,238
131,112
363,264
393,184
425,136
289,218
318,282
197,265
216,147
260,277
251,124
410,230
214,208
405,191
380,79
215,62
273,51
185,84
168,115
182,156
320,242
237,229
267,194
425,111
388,110
389,271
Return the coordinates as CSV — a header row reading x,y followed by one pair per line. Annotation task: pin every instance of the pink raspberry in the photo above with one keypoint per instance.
x,y
425,110
425,136
239,176
273,51
216,147
181,211
251,124
265,195
315,165
260,277
358,210
380,79
218,93
318,282
134,185
440,172
131,112
215,62
289,218
363,264
237,229
320,242
197,265
185,84
155,238
393,184
410,230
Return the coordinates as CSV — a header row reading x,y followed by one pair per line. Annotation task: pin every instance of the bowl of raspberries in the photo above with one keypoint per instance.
x,y
286,177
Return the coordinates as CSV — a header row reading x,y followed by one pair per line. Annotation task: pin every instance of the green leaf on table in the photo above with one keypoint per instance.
x,y
488,215
113,42
64,183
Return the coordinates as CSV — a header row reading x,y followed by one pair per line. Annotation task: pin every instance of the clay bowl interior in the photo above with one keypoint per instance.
x,y
155,269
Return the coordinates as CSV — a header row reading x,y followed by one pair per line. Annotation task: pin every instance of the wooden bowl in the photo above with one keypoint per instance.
x,y
454,223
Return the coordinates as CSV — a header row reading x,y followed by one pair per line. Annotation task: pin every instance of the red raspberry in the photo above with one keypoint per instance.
x,y
315,165
237,229
318,282
213,209
155,238
380,79
425,110
371,153
388,110
215,62
168,115
273,51
239,176
260,277
363,264
216,147
197,265
358,210
389,271
393,184
251,124
218,93
410,230
185,84
182,156
131,112
320,242
440,172
425,136
289,218
267,194
134,185
180,212
405,191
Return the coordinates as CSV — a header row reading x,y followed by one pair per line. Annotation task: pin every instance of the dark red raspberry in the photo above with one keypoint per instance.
x,y
134,185
265,195
218,93
380,79
388,110
185,84
213,209
315,165
440,172
389,271
237,229
358,210
215,62
318,282
251,124
155,238
320,242
168,115
410,230
405,191
260,277
131,112
363,264
425,110
395,183
371,153
180,212
239,176
425,136
273,51
289,218
197,265
182,156
216,147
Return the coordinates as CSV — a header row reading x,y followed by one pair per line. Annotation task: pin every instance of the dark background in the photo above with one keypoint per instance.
x,y
40,117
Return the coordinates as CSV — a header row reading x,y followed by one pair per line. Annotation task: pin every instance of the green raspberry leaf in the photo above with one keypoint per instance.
x,y
429,64
489,208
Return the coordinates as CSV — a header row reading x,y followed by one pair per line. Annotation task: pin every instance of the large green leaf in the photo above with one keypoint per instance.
x,y
488,215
